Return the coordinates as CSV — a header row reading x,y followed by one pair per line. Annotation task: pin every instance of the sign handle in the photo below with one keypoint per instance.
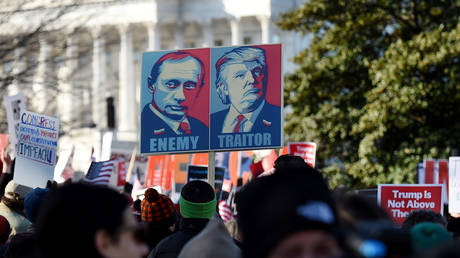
x,y
212,168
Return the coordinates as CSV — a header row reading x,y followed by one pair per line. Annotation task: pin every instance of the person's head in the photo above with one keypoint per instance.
x,y
96,220
33,202
296,207
288,162
241,78
5,230
418,216
175,81
158,209
197,200
14,196
428,235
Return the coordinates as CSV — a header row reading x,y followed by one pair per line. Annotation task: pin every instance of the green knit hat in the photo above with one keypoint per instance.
x,y
427,235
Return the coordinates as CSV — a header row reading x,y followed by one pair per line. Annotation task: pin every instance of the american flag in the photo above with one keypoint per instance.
x,y
224,211
99,172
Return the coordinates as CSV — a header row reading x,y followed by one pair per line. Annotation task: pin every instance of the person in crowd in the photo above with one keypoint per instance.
x,y
81,220
354,209
175,82
418,216
212,241
12,207
429,235
5,231
285,161
7,170
160,215
197,205
23,244
241,83
288,214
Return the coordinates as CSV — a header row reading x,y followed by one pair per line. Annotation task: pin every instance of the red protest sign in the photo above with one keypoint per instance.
x,y
306,150
400,200
3,141
121,172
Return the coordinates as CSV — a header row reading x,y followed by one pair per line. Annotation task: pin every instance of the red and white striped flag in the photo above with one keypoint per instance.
x,y
224,211
99,173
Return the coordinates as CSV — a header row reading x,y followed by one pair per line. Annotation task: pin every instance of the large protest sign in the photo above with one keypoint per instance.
x,y
15,105
226,98
454,185
305,150
195,172
36,149
175,101
400,200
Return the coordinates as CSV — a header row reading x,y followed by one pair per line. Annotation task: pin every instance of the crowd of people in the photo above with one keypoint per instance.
x,y
290,212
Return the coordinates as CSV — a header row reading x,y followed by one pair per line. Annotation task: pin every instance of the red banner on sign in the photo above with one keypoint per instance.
x,y
121,172
3,141
429,171
400,200
306,150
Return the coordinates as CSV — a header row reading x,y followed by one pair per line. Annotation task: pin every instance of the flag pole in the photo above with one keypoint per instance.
x,y
211,168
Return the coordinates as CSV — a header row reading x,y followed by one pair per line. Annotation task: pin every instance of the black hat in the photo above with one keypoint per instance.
x,y
273,207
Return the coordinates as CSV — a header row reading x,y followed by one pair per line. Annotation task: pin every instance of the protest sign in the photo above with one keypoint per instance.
x,y
399,200
196,101
15,105
454,185
195,172
36,149
3,141
305,150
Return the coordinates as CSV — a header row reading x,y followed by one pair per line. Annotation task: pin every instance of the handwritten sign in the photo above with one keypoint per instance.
x,y
454,185
36,149
400,200
14,106
305,150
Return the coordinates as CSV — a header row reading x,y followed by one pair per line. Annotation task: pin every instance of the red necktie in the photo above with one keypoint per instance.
x,y
184,128
238,123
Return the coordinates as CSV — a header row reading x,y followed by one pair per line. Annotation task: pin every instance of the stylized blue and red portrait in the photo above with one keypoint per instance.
x,y
246,97
175,101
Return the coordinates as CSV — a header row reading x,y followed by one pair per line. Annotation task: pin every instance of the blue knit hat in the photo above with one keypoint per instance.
x,y
33,201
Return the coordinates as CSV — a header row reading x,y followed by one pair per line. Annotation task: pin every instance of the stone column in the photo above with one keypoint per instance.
x,y
42,76
236,31
267,30
154,36
18,68
126,114
73,107
179,35
98,105
208,38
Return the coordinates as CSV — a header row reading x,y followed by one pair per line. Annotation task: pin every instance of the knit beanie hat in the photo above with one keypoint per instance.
x,y
213,241
427,235
284,203
157,207
5,230
197,200
33,201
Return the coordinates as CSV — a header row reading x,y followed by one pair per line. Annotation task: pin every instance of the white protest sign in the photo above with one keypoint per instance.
x,y
454,185
36,149
15,105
